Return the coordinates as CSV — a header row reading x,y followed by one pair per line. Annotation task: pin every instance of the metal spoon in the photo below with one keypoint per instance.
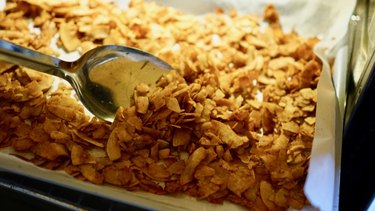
x,y
104,78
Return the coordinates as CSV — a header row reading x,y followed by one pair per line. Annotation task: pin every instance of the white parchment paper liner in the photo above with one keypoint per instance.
x,y
326,19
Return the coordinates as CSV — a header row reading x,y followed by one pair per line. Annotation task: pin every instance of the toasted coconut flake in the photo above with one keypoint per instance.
x,y
228,136
291,127
68,36
191,164
87,139
233,121
181,137
91,174
78,155
142,104
113,147
268,194
50,151
240,180
117,176
172,104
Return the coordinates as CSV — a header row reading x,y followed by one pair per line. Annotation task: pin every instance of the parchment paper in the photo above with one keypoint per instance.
x,y
326,19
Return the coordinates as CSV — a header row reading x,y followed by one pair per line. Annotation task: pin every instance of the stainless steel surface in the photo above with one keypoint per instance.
x,y
361,50
357,184
103,78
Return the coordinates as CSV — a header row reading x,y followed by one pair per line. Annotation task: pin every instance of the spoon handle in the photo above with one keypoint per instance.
x,y
22,56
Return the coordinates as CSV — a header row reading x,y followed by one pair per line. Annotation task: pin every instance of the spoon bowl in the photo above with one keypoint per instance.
x,y
104,78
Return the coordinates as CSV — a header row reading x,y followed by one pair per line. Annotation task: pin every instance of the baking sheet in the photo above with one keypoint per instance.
x,y
326,19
